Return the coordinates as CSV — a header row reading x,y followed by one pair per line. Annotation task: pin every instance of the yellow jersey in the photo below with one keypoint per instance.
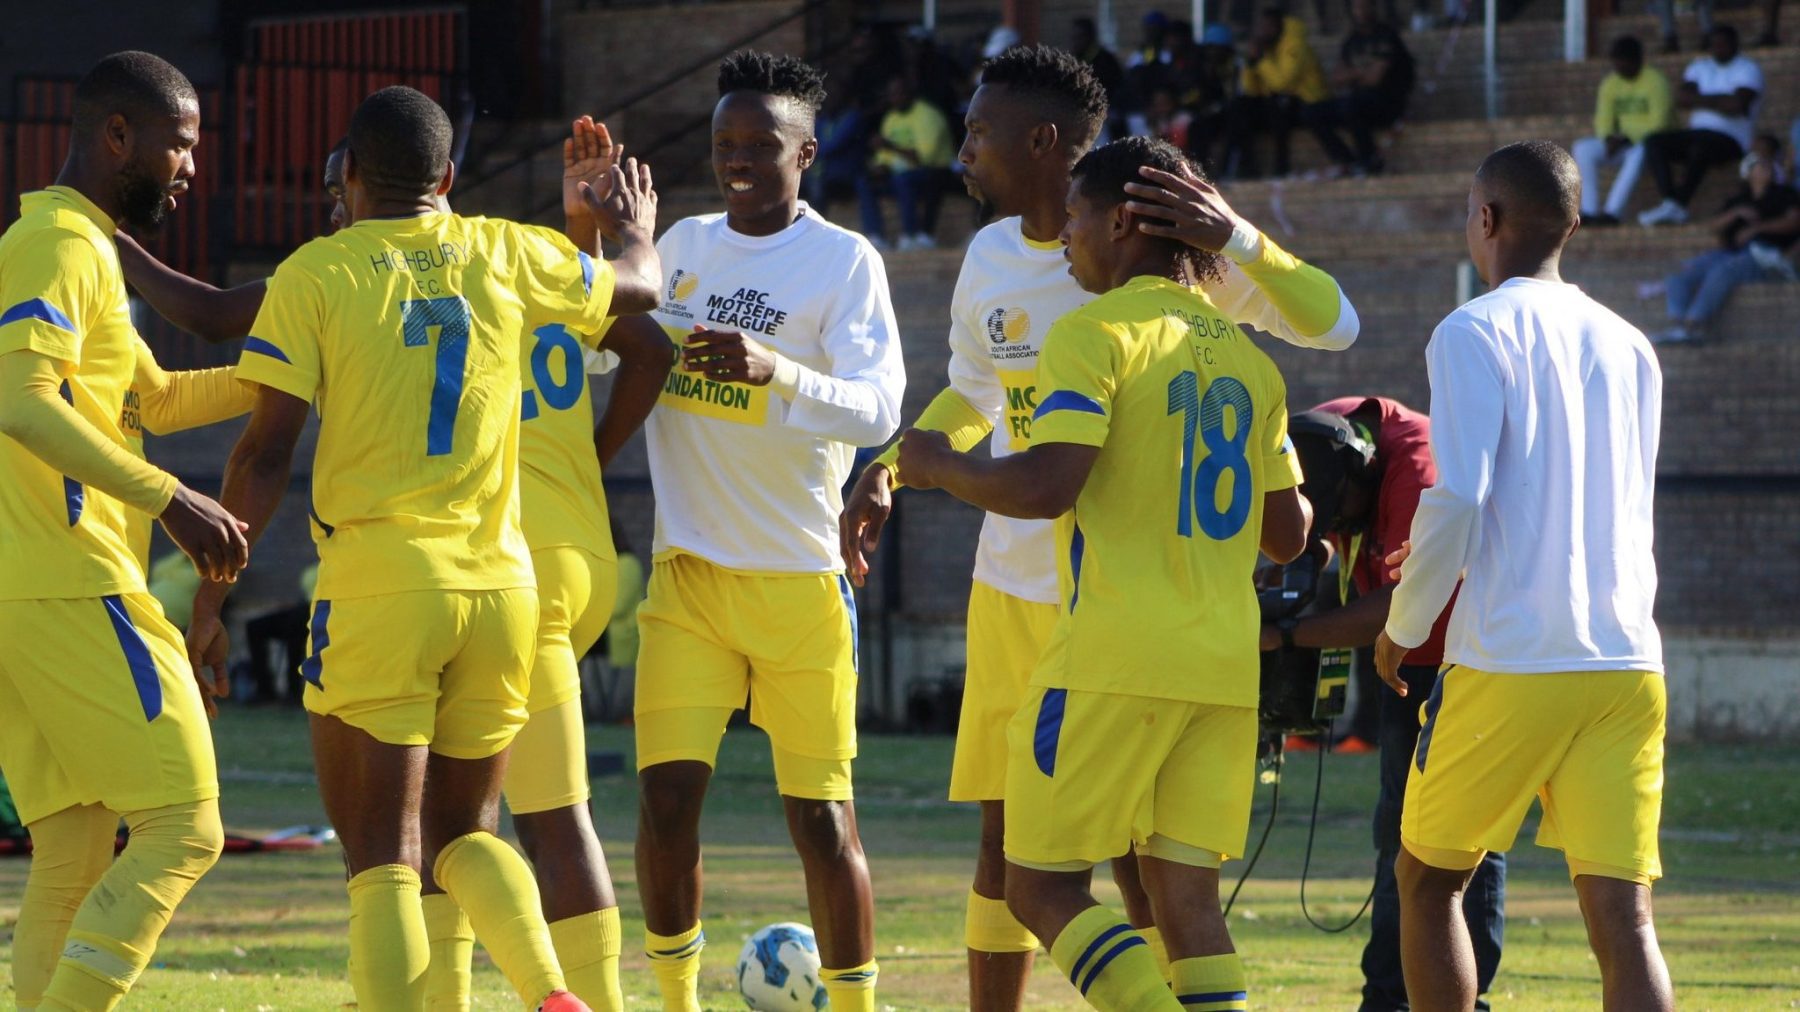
x,y
405,332
62,296
1155,560
560,491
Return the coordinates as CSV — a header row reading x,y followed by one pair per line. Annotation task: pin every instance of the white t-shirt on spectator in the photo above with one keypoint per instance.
x,y
1715,78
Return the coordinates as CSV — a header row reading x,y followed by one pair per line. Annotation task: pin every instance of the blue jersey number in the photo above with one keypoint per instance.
x,y
559,395
1224,454
450,316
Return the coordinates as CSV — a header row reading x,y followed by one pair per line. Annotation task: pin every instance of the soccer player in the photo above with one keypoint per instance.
x,y
791,359
1037,111
104,719
1159,445
1545,415
405,328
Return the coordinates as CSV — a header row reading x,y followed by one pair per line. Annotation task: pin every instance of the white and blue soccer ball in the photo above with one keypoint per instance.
x,y
778,971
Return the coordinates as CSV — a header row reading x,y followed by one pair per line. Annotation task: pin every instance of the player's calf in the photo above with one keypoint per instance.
x,y
1105,960
1622,931
1001,949
839,896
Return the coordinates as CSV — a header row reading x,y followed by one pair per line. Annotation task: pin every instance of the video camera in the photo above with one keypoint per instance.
x,y
1303,688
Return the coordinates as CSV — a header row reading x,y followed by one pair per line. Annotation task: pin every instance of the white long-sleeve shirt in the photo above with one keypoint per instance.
x,y
1546,410
1008,293
750,477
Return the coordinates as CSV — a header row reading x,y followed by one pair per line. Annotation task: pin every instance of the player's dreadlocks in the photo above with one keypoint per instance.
x,y
765,73
1072,95
1104,171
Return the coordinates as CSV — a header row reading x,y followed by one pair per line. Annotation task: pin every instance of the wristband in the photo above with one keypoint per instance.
x,y
1245,245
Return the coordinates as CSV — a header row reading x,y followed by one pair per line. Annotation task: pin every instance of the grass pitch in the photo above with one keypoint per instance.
x,y
266,932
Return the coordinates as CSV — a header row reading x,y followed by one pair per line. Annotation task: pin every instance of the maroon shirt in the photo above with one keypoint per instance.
x,y
1403,452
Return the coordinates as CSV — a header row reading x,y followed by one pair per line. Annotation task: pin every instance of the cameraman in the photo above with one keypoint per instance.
x,y
1366,460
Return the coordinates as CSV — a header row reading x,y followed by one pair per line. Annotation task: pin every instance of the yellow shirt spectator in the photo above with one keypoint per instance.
x,y
1290,67
918,128
1635,107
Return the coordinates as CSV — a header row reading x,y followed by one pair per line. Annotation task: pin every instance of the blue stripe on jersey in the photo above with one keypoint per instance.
x,y
74,496
587,271
850,610
262,347
1111,954
313,668
1077,548
38,309
1067,400
137,656
1207,999
1049,729
1093,947
1433,704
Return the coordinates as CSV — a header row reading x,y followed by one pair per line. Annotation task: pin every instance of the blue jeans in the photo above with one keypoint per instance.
x,y
1699,289
914,191
1484,903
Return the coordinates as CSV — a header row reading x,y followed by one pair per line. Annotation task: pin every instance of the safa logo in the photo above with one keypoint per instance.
x,y
1008,326
682,285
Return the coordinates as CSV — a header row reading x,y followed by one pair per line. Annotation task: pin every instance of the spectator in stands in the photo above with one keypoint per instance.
x,y
843,150
1084,42
1168,120
1215,88
1665,13
1634,102
940,78
1152,48
1757,229
1374,79
1721,92
912,152
1281,81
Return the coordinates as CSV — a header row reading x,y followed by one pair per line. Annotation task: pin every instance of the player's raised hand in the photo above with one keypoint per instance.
x,y
208,533
1184,208
628,203
208,646
1397,558
728,356
922,451
589,155
866,511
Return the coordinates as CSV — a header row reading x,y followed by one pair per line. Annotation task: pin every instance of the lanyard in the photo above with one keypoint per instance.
x,y
1347,568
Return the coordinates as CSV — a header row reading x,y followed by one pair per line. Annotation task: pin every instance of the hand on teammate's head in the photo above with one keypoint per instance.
x,y
1182,207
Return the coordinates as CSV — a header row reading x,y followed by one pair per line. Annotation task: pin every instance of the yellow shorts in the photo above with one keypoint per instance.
x,y
444,668
98,705
712,638
1589,745
1179,790
1005,640
548,768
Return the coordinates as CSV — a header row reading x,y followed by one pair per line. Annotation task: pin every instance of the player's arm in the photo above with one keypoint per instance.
x,y
1467,408
645,358
210,313
1266,286
1041,483
626,215
1356,624
187,398
1287,516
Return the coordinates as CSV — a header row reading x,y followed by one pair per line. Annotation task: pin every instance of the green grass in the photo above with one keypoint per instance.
x,y
268,931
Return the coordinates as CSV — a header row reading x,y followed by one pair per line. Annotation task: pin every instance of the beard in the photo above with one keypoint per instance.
x,y
143,202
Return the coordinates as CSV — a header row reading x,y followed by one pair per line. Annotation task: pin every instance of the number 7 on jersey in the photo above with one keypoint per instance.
x,y
449,316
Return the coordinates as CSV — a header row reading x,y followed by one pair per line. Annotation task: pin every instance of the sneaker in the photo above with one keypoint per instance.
x,y
1666,213
906,244
1599,220
562,1001
1352,745
1300,743
924,241
1678,334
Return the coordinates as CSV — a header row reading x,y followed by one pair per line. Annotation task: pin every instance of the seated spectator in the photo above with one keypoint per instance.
x,y
1721,93
1756,230
1146,69
1152,48
1167,119
912,154
1215,87
1084,42
1374,79
843,150
1281,80
1634,102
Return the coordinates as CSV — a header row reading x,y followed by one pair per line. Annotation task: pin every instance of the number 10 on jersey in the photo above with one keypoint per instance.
x,y
449,316
1225,455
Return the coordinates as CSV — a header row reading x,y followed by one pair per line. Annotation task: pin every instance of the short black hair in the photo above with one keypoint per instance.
x,y
400,140
767,74
1103,172
1065,83
138,85
1726,30
1537,185
1627,47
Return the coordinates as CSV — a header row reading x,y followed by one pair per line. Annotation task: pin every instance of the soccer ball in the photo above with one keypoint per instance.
x,y
778,971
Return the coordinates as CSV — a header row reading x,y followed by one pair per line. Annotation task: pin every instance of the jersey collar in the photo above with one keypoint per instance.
x,y
75,200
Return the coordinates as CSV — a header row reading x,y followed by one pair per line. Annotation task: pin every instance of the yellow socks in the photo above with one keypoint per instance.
x,y
74,847
1110,964
116,928
675,959
452,940
494,886
1211,983
851,990
1153,938
588,947
389,953
990,927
